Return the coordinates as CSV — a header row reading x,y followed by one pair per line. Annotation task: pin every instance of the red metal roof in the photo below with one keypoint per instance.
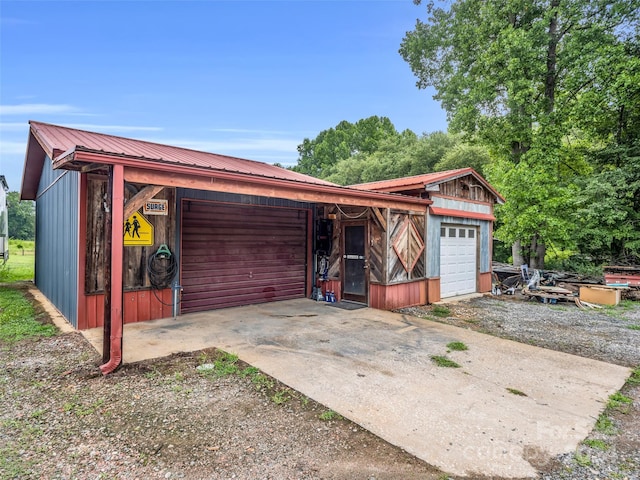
x,y
421,181
57,140
70,148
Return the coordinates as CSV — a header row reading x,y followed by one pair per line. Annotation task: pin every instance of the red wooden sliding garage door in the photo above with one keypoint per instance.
x,y
241,255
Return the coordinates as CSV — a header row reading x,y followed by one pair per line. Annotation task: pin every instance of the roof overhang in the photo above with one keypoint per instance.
x,y
429,182
158,172
450,212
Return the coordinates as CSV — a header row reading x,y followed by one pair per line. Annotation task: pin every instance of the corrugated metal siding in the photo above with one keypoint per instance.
x,y
57,239
241,254
433,242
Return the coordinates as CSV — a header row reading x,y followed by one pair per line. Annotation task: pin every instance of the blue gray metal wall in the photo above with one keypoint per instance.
x,y
57,218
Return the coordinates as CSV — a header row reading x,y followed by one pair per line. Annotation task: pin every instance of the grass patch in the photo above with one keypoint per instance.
x,y
329,415
633,327
262,382
223,364
583,460
444,361
619,402
605,425
20,266
517,392
18,318
620,309
440,311
597,444
457,346
634,379
281,396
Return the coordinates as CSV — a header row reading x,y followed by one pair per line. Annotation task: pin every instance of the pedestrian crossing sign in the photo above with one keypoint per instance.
x,y
138,232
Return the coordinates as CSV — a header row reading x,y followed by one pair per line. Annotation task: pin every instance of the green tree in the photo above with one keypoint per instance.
x,y
319,156
22,217
398,156
462,156
608,203
513,74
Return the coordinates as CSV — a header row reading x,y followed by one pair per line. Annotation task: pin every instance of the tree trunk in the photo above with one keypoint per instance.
x,y
537,252
516,253
551,74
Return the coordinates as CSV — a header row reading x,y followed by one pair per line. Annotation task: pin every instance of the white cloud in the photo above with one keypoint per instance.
x,y
12,147
36,109
14,126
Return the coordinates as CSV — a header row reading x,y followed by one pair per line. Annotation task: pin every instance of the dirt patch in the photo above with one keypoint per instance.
x,y
60,418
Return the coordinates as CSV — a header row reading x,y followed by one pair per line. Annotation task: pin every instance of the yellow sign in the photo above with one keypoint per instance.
x,y
138,232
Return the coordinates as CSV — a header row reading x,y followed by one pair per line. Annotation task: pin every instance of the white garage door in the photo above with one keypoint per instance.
x,y
458,260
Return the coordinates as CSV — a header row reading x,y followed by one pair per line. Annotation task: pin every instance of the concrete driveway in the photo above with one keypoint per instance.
x,y
375,368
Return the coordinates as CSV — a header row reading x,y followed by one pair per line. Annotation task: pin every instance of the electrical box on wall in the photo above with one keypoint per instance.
x,y
324,235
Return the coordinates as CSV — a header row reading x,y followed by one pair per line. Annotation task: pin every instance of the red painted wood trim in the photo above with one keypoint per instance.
x,y
82,254
433,290
142,167
310,272
406,294
449,212
484,282
139,306
117,249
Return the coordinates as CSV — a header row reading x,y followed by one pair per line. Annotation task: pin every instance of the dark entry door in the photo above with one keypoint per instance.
x,y
354,263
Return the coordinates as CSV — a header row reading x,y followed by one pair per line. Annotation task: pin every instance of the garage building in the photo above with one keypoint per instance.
x,y
128,231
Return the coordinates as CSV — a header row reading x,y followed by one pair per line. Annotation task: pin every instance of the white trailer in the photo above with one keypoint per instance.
x,y
4,220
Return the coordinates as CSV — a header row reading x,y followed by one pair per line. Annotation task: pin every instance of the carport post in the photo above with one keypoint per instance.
x,y
114,294
108,225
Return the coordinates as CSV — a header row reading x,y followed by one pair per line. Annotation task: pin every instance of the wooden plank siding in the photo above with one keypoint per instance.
x,y
139,306
135,258
389,297
391,284
467,188
406,235
136,283
484,282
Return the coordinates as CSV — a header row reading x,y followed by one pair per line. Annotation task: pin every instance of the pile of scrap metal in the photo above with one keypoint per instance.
x,y
552,286
622,274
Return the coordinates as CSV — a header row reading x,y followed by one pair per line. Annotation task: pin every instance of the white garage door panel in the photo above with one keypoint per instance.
x,y
458,260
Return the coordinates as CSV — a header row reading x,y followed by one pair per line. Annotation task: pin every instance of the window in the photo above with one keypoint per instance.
x,y
443,232
472,233
452,232
462,233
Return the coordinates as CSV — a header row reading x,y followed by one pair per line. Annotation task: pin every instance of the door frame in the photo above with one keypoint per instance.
x,y
343,228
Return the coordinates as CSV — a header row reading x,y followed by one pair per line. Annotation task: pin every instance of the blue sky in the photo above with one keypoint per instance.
x,y
249,79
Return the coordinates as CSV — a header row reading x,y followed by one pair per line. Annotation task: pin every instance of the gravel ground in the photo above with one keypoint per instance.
x,y
61,419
